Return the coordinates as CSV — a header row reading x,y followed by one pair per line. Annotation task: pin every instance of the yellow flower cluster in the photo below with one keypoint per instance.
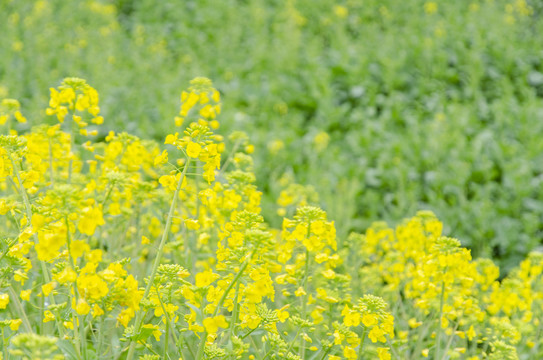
x,y
128,248
10,109
451,306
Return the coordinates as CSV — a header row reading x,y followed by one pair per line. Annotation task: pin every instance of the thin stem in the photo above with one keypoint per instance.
x,y
4,345
451,338
28,210
361,347
20,310
439,332
77,323
139,316
234,313
294,340
249,333
326,353
168,322
100,328
393,350
304,297
221,301
230,156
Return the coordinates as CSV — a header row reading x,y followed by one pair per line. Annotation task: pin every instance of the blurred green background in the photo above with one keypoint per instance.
x,y
385,107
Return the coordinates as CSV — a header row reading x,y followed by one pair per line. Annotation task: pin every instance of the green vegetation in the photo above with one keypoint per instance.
x,y
426,105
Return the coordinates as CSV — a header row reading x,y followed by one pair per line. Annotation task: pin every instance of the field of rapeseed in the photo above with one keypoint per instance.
x,y
95,266
246,218
385,107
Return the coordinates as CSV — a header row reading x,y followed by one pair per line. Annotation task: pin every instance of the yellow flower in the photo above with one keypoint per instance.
x,y
376,334
349,353
91,218
413,323
383,353
168,181
66,275
341,11
193,149
205,278
161,159
471,333
4,301
282,314
156,332
25,294
350,317
425,352
300,292
82,308
329,274
48,288
192,224
369,319
92,286
14,324
213,324
48,316
78,248
68,325
430,7
97,311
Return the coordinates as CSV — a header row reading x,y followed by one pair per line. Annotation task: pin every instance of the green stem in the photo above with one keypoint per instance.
x,y
100,328
4,345
221,301
28,210
294,340
249,333
234,313
392,350
236,278
326,353
139,316
439,332
77,323
20,310
447,347
304,297
168,324
362,338
230,156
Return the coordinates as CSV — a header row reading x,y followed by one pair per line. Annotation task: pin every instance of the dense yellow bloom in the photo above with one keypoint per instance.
x,y
205,278
88,219
193,149
92,286
48,288
82,307
213,324
91,217
383,353
25,295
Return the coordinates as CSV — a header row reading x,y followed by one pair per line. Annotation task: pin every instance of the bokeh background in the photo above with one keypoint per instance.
x,y
384,107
